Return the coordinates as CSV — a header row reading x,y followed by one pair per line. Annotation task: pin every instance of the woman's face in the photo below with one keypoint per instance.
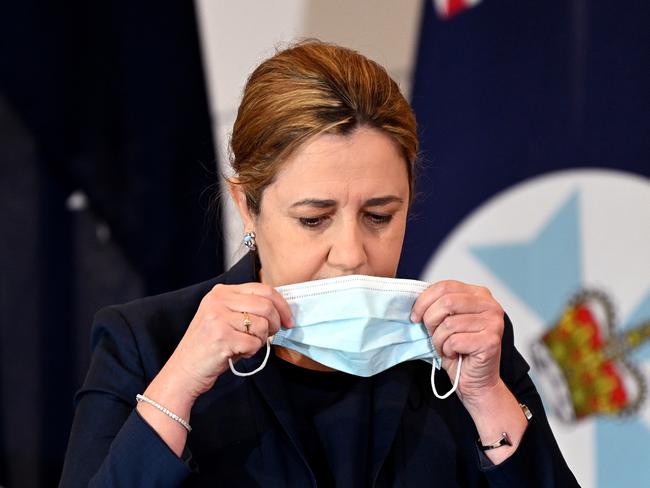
x,y
337,207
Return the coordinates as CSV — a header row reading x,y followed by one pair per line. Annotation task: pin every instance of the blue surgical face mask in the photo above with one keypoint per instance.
x,y
357,324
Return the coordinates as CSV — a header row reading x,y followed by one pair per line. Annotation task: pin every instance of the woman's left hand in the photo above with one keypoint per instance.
x,y
464,319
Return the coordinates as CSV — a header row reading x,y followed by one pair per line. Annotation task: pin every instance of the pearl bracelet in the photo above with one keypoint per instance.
x,y
141,398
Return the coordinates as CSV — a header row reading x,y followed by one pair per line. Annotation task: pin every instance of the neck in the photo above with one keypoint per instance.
x,y
298,359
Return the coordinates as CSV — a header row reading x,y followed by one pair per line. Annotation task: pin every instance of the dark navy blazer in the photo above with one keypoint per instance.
x,y
245,435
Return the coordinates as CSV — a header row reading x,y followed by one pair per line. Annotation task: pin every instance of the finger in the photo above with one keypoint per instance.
x,y
471,344
244,346
281,305
454,304
257,326
456,324
263,328
439,289
254,305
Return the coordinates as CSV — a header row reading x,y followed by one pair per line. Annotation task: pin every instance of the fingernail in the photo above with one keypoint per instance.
x,y
413,318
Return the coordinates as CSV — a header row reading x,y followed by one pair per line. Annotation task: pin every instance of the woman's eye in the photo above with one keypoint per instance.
x,y
311,221
378,219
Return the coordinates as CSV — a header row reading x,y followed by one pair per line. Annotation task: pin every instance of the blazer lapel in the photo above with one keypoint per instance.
x,y
391,390
270,386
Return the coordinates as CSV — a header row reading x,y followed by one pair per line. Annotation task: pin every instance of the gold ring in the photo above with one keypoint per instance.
x,y
247,322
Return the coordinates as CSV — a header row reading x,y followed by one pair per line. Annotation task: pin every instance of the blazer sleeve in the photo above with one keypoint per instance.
x,y
110,444
537,462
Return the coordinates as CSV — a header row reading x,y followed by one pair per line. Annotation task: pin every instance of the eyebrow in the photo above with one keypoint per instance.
x,y
314,202
325,203
379,201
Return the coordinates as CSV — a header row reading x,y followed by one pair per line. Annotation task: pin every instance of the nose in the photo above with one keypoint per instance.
x,y
347,252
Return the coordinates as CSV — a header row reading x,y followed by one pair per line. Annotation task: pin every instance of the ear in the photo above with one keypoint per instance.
x,y
239,197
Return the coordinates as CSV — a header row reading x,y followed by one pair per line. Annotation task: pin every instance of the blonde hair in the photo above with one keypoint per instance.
x,y
306,90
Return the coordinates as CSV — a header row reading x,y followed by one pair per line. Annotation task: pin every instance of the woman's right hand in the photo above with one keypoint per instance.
x,y
216,334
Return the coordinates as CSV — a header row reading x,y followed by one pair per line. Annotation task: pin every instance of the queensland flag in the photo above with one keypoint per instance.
x,y
534,120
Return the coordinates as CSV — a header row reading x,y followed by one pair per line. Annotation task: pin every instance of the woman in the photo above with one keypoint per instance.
x,y
324,148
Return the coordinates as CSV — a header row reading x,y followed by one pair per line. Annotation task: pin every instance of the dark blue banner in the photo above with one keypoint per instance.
x,y
508,90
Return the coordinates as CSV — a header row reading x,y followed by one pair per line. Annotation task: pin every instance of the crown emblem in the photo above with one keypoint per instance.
x,y
582,361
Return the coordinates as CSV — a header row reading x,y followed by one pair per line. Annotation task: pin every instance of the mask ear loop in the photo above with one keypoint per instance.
x,y
261,367
456,380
